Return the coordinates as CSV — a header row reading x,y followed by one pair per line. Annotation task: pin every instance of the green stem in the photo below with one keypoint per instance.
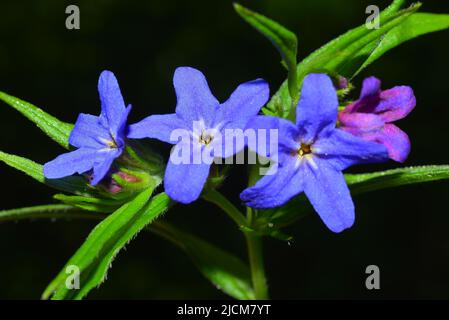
x,y
222,202
256,261
253,241
51,211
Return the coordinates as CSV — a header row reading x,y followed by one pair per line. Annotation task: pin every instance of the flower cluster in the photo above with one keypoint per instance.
x,y
311,153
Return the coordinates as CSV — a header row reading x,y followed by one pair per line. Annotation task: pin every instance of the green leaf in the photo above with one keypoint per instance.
x,y
366,182
358,183
95,256
416,25
57,130
224,270
227,272
335,57
72,184
283,39
90,203
49,211
395,6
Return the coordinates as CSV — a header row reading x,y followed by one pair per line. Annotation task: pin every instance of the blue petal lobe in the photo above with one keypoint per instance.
x,y
184,182
195,101
78,161
272,133
88,132
158,127
276,189
101,168
243,104
318,106
112,104
328,193
343,150
123,128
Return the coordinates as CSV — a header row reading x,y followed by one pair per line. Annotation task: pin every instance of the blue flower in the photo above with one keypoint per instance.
x,y
204,121
312,155
99,140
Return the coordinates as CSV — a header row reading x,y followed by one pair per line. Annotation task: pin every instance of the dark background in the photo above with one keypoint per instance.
x,y
404,231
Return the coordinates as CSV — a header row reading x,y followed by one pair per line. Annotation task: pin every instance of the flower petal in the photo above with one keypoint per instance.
x,y
362,121
184,182
195,101
67,164
265,128
158,127
112,104
343,150
370,87
396,103
369,97
317,107
89,132
123,129
394,139
101,168
276,189
244,103
329,195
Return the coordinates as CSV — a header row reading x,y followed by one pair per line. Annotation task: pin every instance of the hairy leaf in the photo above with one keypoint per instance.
x,y
359,183
416,25
57,130
283,39
90,203
94,257
227,272
74,184
334,57
366,182
49,211
224,270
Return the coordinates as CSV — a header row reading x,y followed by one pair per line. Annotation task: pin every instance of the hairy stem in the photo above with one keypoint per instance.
x,y
223,203
256,261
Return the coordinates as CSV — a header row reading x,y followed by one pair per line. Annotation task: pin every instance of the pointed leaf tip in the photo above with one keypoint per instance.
x,y
57,130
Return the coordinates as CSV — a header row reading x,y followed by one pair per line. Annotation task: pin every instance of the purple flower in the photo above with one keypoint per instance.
x,y
201,122
372,115
312,155
99,140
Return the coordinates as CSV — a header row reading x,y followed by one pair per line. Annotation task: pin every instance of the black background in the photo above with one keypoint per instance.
x,y
403,231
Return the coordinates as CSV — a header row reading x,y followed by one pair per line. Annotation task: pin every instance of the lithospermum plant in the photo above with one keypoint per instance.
x,y
317,128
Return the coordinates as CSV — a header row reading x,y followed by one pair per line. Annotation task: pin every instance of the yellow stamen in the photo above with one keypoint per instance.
x,y
304,149
111,144
206,138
